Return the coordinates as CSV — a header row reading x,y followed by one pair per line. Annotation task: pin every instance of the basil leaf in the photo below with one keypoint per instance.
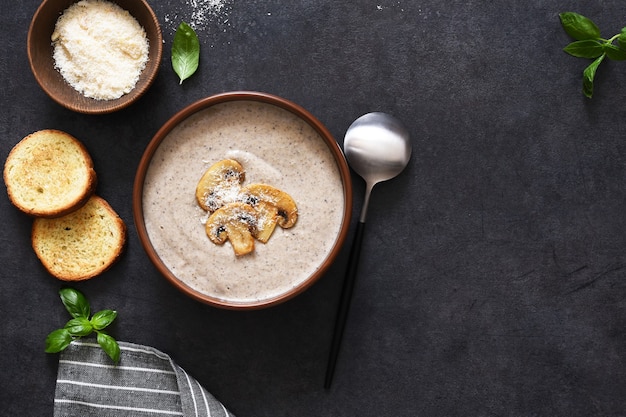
x,y
588,76
185,52
578,26
58,340
110,346
103,318
613,52
621,39
79,327
75,302
585,49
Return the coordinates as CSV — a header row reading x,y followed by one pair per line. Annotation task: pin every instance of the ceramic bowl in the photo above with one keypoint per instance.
x,y
278,143
40,56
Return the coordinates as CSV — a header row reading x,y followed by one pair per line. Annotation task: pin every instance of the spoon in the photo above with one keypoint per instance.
x,y
377,148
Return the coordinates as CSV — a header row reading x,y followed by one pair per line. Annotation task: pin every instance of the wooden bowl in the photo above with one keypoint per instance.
x,y
274,139
40,50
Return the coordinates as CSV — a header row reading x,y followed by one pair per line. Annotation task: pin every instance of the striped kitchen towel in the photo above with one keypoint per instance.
x,y
145,382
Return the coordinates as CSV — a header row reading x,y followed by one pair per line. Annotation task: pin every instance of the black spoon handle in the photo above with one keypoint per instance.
x,y
344,302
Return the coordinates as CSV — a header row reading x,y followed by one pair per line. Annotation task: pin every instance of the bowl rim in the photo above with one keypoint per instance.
x,y
175,120
104,106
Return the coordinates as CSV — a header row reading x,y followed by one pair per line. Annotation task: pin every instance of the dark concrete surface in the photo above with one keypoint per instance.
x,y
492,278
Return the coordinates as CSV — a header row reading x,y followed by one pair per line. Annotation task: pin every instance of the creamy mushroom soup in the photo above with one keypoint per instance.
x,y
274,147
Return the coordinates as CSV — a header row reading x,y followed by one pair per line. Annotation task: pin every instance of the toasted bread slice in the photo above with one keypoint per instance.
x,y
49,173
81,244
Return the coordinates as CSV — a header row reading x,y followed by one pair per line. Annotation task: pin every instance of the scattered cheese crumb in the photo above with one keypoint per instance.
x,y
200,14
99,49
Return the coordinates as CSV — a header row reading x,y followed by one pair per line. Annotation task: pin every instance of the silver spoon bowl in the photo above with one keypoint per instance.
x,y
378,148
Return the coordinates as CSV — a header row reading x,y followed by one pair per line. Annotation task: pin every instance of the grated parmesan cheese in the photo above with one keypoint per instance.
x,y
99,49
200,14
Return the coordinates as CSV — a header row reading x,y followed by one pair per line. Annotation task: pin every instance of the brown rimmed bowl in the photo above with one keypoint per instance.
x,y
271,137
40,49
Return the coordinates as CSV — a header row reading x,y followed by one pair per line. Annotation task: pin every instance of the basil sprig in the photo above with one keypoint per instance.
x,y
185,52
589,44
82,325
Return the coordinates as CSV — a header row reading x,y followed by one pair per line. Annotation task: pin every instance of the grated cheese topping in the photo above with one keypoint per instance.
x,y
99,49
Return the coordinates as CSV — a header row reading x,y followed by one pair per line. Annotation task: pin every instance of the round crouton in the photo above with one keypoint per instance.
x,y
81,244
49,173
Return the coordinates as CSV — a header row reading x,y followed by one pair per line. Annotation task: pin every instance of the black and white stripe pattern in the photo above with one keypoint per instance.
x,y
146,382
